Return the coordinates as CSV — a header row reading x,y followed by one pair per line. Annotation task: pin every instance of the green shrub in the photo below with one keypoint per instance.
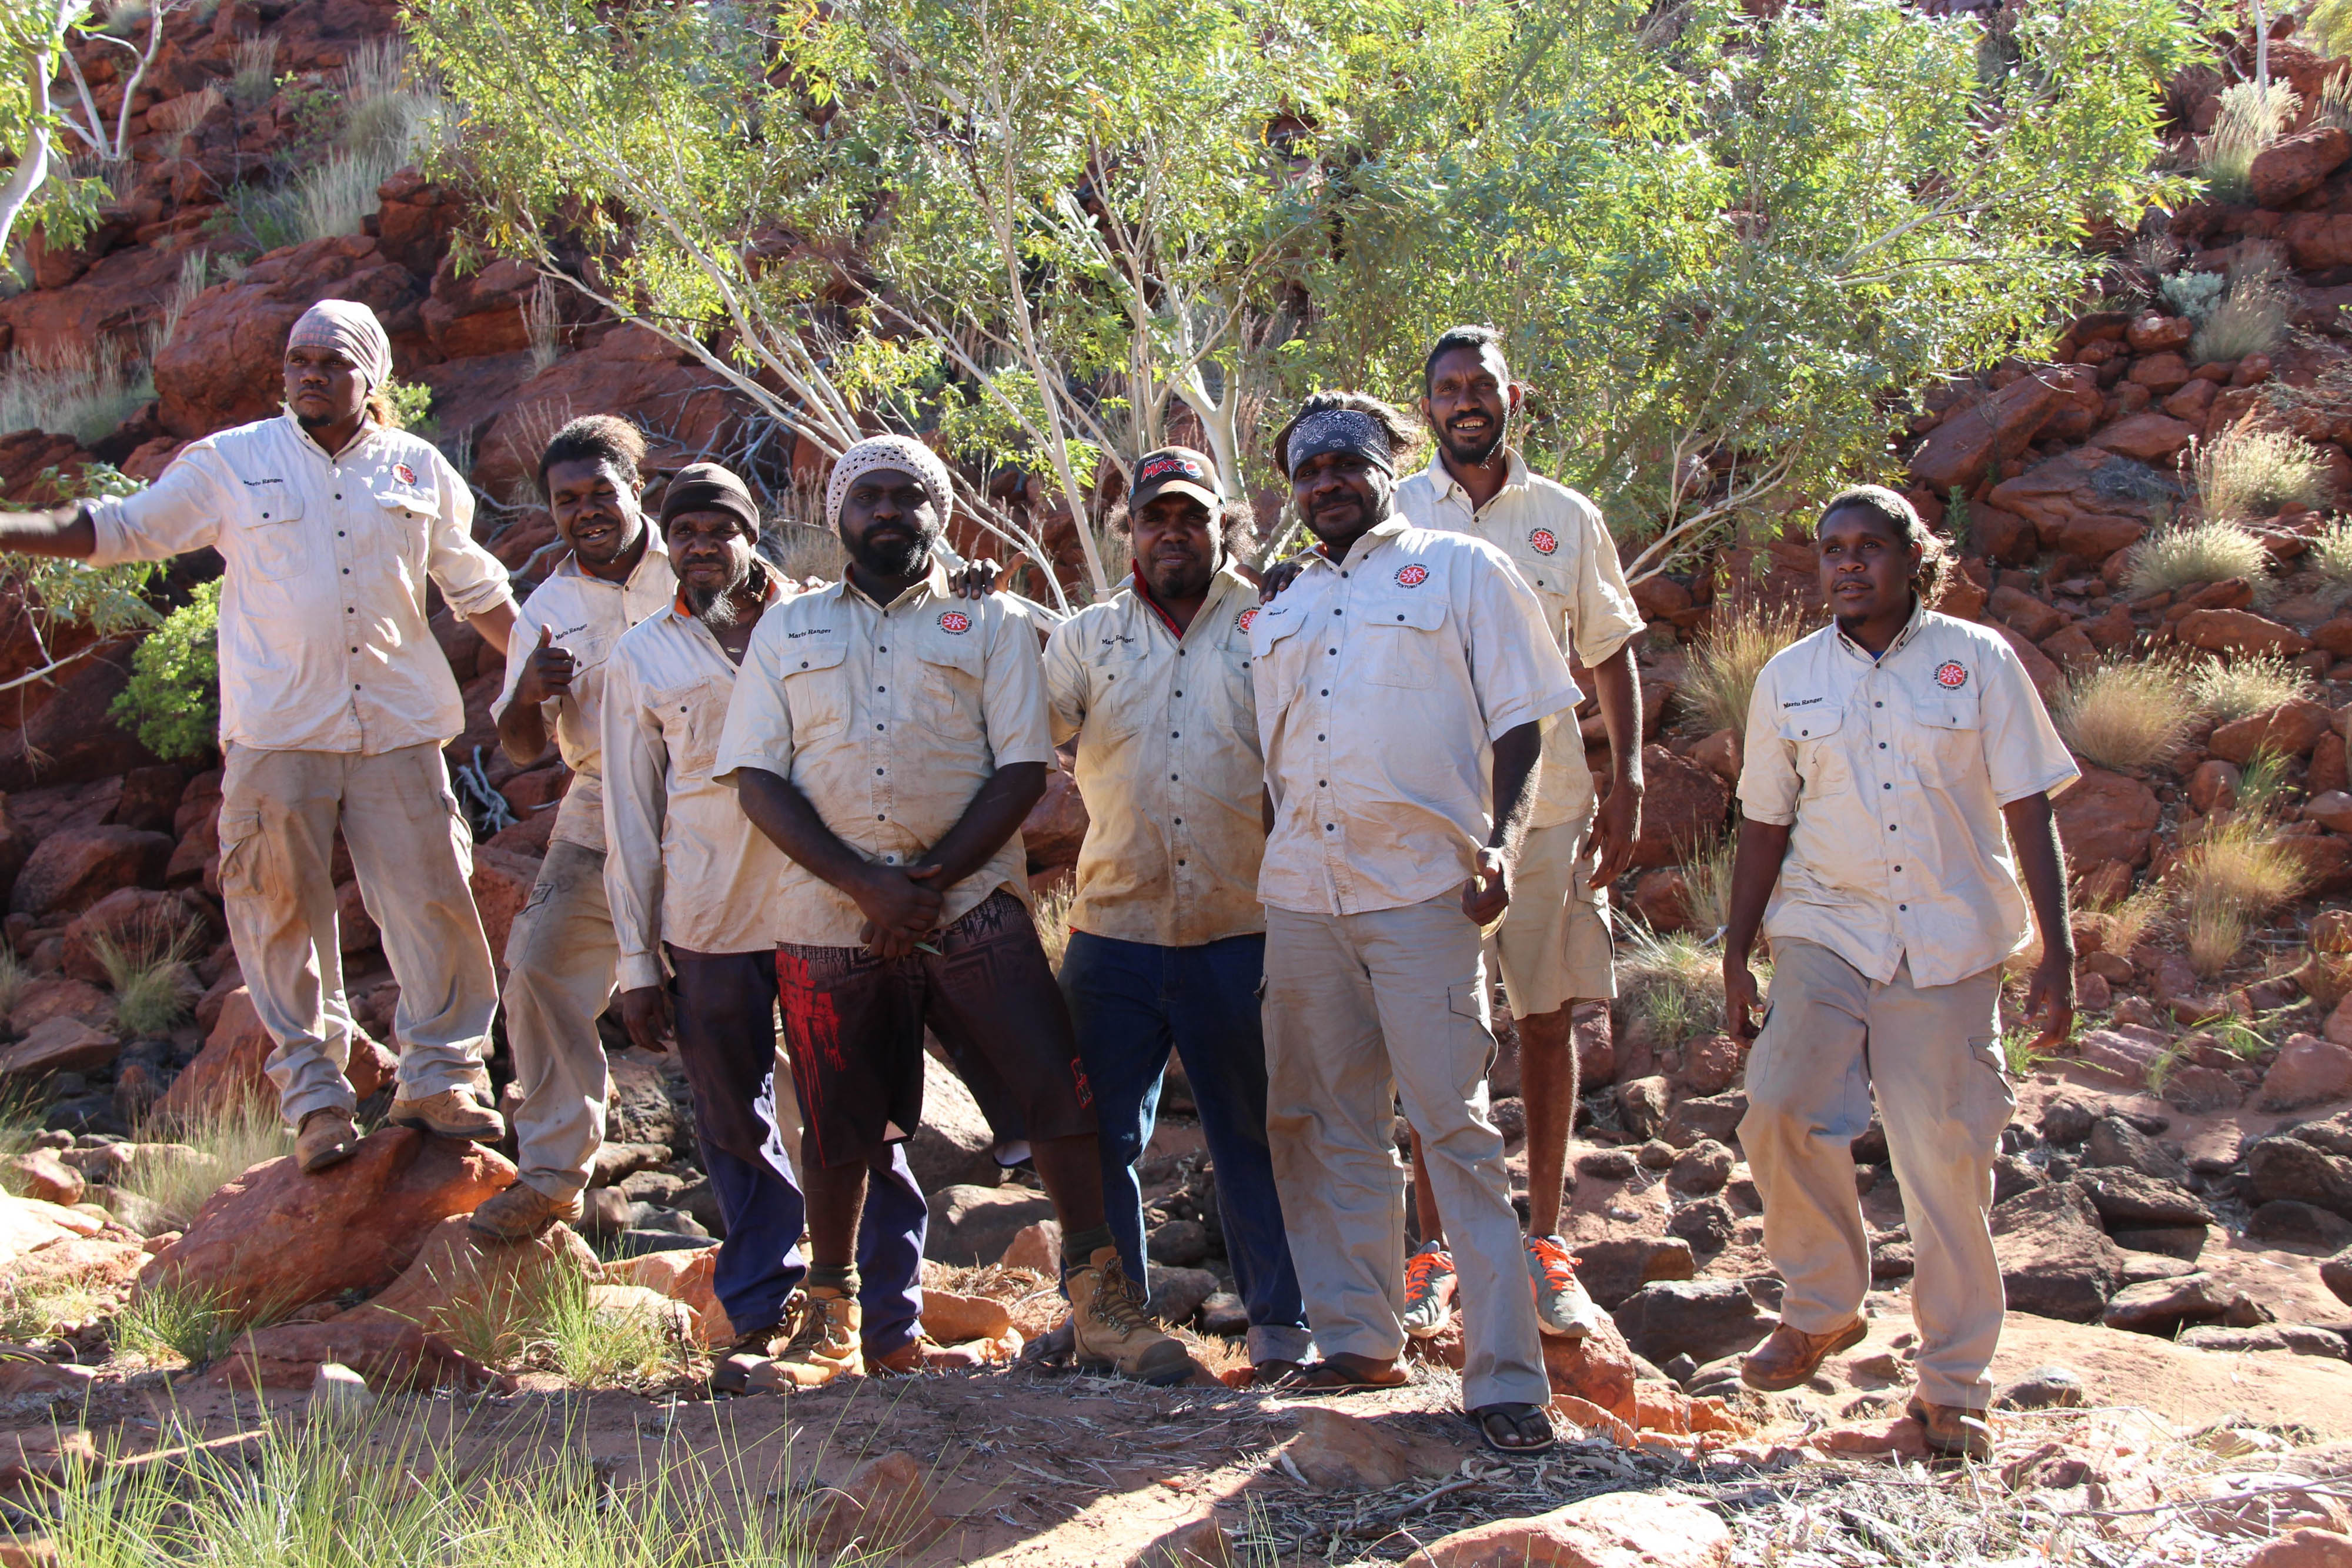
x,y
172,702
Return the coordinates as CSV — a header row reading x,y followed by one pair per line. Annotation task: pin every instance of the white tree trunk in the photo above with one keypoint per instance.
x,y
32,170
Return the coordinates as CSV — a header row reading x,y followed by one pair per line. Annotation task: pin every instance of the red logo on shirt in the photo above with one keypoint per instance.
x,y
1952,675
403,473
1413,576
955,621
1246,617
1545,542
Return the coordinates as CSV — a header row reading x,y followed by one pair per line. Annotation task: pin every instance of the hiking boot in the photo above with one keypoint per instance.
x,y
519,1213
824,1347
1791,1356
1428,1292
1562,1308
1953,1429
452,1114
1108,1328
325,1138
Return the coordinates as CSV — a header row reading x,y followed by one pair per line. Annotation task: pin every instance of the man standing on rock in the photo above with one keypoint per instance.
x,y
1167,938
889,738
1402,681
1553,947
335,704
693,889
1886,754
560,955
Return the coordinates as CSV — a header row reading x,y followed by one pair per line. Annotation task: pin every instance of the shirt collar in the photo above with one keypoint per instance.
x,y
1224,581
367,428
1910,629
570,565
1442,482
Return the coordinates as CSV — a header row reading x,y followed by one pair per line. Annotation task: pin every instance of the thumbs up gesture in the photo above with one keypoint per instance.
x,y
548,671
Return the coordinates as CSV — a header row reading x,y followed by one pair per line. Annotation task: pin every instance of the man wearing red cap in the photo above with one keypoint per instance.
x,y
335,704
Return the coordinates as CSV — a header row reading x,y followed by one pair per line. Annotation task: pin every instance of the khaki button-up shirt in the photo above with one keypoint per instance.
x,y
687,866
323,641
1382,682
1167,765
1556,537
1893,773
889,718
589,614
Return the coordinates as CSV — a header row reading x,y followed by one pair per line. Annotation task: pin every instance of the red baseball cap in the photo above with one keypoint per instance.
x,y
1182,470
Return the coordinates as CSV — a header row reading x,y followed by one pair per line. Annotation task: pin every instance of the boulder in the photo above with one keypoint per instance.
x,y
1705,1116
2283,1169
2238,631
2201,1091
458,1279
2159,373
1598,1368
1615,1529
686,1277
955,1145
2289,729
1972,441
1614,1270
2126,1052
2088,503
339,1396
2292,1339
385,1352
501,882
2056,1262
2116,1142
1335,1451
2108,817
2305,1548
2293,166
951,1318
1684,803
142,922
58,1045
1036,1248
1056,824
1201,1543
2308,1070
74,868
72,737
2127,1198
274,1238
1700,1169
229,1070
2290,1222
1704,1319
972,1224
39,1173
2336,1275
479,311
884,1506
2165,1307
641,1110
2150,436
2024,615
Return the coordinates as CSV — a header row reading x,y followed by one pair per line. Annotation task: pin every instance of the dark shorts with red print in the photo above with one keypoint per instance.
x,y
854,1028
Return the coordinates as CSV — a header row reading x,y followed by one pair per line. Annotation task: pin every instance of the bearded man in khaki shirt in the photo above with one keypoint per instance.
x,y
335,704
1893,758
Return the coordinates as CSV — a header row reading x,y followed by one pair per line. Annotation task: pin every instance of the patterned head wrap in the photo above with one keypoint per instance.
x,y
1341,430
903,453
352,331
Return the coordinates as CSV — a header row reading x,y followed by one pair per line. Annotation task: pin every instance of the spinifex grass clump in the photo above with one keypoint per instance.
x,y
147,966
173,1322
2244,686
2251,470
204,1149
2237,871
2194,554
1674,982
1728,657
2124,714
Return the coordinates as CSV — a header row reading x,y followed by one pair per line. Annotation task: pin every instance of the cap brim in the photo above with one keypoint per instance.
x,y
1200,492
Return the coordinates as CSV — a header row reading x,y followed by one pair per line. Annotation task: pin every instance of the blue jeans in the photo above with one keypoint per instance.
x,y
1131,1001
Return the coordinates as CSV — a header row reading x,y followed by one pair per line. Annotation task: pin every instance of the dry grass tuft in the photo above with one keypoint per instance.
x,y
2190,555
1706,885
1052,916
2250,471
1738,643
2236,874
154,991
2228,689
208,1149
2250,318
2128,716
2331,556
1675,982
2252,117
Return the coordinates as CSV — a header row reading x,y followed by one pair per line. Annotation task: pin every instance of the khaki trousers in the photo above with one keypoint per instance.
x,y
413,854
561,957
1832,1038
1360,1009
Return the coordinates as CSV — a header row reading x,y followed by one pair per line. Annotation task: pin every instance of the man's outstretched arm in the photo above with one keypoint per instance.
x,y
65,531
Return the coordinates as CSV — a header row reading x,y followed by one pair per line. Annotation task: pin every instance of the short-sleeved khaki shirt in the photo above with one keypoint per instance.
x,y
1382,682
687,867
888,717
1556,537
1890,773
1167,765
588,615
324,643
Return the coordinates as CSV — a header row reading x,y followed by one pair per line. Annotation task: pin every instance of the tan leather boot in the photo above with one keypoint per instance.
x,y
1791,1356
1108,1327
825,1346
452,1114
1953,1429
325,1138
519,1213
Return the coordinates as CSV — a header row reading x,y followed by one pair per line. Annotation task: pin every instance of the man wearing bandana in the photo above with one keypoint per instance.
x,y
1402,681
889,738
335,704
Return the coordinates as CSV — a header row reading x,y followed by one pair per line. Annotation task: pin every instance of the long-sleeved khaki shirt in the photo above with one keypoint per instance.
x,y
1383,680
1890,773
686,866
588,615
1556,537
889,718
324,645
1167,765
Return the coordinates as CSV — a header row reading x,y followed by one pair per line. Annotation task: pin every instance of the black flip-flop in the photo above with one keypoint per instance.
x,y
1485,1414
1332,1377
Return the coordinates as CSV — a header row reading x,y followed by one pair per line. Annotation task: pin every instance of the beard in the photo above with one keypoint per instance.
x,y
715,606
890,558
1486,447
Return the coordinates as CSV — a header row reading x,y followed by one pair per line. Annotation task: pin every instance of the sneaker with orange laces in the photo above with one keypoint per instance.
x,y
1428,1292
1562,1307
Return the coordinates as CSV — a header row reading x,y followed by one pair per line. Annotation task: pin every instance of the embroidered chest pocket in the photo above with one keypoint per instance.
x,y
404,517
1817,733
1945,737
1120,699
1277,656
1404,642
1234,695
816,688
691,718
946,698
270,539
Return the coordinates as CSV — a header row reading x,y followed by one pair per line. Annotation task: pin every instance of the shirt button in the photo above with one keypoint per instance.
x,y
1882,746
877,727
1180,821
1904,907
881,688
1175,735
878,817
878,773
1399,617
339,533
1322,783
1179,693
1801,732
1331,649
1318,737
1181,862
338,494
347,571
1878,705
1331,827
1171,778
1898,868
1890,826
882,648
1327,691
1886,786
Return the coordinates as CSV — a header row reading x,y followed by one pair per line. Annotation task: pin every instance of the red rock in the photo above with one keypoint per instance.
x,y
2160,373
140,922
1972,441
1335,1451
74,867
2335,635
1056,825
2238,631
1615,1529
2039,668
1598,1368
116,298
2029,616
2071,648
2309,1070
56,996
457,1277
1685,805
2338,1029
389,1354
2289,729
1719,755
2201,1091
885,1506
2331,809
2326,862
2307,1548
1202,1543
415,219
274,1237
1036,1248
39,1173
1711,1065
501,882
2295,164
2151,437
480,311
685,1278
953,1318
2154,332
1897,1439
59,1045
2001,536
2108,817
2067,509
1659,898
2192,402
2213,785
222,367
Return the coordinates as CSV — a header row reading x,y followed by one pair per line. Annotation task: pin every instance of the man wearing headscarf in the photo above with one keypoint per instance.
x,y
889,739
335,704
